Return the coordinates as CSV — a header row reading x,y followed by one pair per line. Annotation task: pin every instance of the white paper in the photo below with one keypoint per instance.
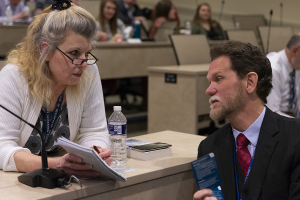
x,y
89,156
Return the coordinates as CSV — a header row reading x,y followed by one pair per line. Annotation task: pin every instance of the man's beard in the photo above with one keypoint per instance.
x,y
227,105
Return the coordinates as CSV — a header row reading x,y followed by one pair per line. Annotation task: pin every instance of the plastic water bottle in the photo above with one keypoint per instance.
x,y
136,29
188,28
9,15
117,125
237,25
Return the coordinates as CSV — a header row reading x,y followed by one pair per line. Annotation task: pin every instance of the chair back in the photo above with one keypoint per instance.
x,y
166,29
279,37
250,22
190,49
246,36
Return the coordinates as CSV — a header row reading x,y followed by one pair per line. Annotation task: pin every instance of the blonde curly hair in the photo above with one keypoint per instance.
x,y
51,27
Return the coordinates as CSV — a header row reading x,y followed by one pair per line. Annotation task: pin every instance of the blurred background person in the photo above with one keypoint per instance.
x,y
40,5
164,11
175,19
203,24
128,11
109,26
18,9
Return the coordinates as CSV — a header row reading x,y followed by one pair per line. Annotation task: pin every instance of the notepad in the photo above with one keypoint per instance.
x,y
207,175
89,156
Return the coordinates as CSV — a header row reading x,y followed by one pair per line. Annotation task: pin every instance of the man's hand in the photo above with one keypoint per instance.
x,y
203,195
73,165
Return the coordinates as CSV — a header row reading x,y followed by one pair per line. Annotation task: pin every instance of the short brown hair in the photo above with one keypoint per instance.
x,y
247,58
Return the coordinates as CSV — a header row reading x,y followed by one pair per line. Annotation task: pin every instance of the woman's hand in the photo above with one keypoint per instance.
x,y
118,38
105,154
73,165
101,36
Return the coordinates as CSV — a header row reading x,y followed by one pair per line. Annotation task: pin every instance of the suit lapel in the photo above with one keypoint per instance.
x,y
264,149
224,158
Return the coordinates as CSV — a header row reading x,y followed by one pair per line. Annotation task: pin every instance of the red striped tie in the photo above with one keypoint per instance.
x,y
243,153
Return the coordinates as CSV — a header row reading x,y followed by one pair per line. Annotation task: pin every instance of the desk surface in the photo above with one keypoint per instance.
x,y
200,69
184,151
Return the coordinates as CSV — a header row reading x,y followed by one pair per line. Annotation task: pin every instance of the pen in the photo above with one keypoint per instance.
x,y
96,149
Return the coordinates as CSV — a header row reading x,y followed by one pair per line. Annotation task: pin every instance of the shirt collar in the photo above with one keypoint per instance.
x,y
252,132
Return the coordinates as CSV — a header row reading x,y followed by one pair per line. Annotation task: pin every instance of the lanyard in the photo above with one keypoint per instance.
x,y
235,171
53,118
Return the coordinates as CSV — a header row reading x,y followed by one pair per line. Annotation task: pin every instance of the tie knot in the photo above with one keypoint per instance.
x,y
242,141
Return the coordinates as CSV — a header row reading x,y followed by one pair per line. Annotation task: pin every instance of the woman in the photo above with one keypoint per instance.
x,y
51,81
203,24
164,11
109,27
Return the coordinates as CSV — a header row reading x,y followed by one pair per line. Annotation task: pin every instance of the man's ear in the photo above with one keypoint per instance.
x,y
294,50
44,45
251,79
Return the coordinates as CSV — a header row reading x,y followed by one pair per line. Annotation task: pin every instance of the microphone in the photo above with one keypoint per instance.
x,y
281,13
45,177
269,31
221,12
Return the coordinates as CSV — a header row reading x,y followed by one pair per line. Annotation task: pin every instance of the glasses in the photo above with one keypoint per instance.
x,y
91,59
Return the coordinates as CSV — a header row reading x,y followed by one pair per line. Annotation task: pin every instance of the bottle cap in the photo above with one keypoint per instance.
x,y
117,108
137,22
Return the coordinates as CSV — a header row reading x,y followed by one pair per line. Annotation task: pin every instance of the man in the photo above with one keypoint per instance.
x,y
240,79
284,97
20,12
128,11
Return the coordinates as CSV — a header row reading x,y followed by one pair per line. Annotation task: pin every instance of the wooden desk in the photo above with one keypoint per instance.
x,y
2,64
177,106
10,36
165,178
131,60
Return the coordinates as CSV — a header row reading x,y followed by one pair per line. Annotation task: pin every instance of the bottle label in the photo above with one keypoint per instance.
x,y
117,129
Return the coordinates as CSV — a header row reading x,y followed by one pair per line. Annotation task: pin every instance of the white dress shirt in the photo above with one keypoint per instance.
x,y
251,133
278,99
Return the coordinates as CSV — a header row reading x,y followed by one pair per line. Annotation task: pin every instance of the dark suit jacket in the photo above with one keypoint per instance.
x,y
275,173
123,12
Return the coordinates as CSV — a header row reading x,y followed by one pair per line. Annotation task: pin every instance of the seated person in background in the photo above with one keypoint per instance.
x,y
285,95
203,24
128,11
18,9
109,26
257,152
52,81
164,11
176,19
40,5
